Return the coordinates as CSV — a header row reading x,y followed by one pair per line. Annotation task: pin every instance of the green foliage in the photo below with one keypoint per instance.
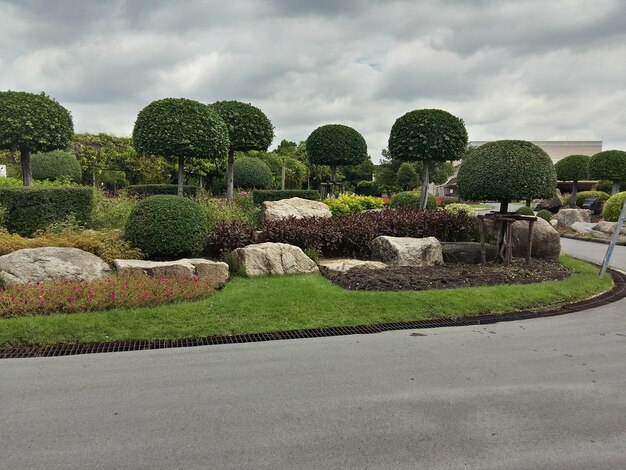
x,y
581,196
608,165
524,210
144,190
55,165
368,188
506,170
111,213
10,182
35,122
349,203
167,227
260,196
336,144
446,201
613,207
296,172
428,134
240,209
573,168
252,173
178,127
248,127
457,207
412,199
407,178
35,208
355,173
545,214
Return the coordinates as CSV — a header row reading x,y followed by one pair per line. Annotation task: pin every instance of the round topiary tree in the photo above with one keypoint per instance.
x,y
252,173
427,135
248,129
178,128
573,168
506,170
609,165
613,207
336,144
545,214
407,177
412,199
525,210
167,227
55,165
32,123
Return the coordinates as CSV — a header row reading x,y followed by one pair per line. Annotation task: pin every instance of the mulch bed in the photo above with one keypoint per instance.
x,y
449,276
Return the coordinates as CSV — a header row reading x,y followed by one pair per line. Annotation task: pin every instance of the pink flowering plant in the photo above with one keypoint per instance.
x,y
111,292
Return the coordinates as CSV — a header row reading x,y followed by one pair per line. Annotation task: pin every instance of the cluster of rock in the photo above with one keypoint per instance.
x,y
602,230
552,204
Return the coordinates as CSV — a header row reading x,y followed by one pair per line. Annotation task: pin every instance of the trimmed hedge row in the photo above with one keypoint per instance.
x,y
145,190
260,196
28,209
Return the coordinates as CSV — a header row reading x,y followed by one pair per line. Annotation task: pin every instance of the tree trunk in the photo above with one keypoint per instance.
x,y
572,198
282,180
424,188
230,175
181,174
615,188
93,175
27,173
504,206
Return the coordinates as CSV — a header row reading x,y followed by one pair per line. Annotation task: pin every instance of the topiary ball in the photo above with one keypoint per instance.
x,y
167,227
613,207
412,199
55,165
336,144
524,210
608,165
545,214
248,127
252,173
573,168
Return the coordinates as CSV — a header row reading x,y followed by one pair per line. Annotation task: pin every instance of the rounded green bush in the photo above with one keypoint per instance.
x,y
412,199
524,210
613,207
545,214
167,227
336,144
506,170
573,168
55,165
581,196
248,127
252,173
368,188
608,165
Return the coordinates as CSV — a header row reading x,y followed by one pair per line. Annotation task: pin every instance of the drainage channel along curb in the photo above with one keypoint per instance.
x,y
616,293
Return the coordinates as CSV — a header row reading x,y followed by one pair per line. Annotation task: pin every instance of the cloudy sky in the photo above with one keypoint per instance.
x,y
526,69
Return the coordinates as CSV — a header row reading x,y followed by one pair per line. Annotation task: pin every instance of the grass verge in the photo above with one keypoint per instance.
x,y
295,302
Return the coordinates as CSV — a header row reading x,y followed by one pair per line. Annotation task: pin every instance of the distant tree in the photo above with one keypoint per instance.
x,y
32,123
179,129
573,168
406,177
248,129
362,172
609,165
286,147
427,135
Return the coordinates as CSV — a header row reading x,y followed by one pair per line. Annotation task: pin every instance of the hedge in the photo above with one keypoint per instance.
x,y
260,196
29,209
613,207
144,190
55,165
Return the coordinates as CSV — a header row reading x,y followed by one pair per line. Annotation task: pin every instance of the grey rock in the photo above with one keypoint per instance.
x,y
50,263
609,227
583,227
466,252
345,265
553,204
546,240
295,207
268,258
214,272
554,223
567,217
405,251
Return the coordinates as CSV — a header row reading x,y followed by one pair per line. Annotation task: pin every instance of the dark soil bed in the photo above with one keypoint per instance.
x,y
449,276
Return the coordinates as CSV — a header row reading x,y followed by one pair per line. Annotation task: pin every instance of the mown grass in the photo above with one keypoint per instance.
x,y
293,302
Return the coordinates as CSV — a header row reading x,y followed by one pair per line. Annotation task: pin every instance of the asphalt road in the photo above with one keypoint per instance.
x,y
545,393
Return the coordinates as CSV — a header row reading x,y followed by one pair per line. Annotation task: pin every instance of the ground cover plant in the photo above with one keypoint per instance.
x,y
263,304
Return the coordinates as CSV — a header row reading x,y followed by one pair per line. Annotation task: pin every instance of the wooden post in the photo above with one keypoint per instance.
x,y
529,245
483,253
509,245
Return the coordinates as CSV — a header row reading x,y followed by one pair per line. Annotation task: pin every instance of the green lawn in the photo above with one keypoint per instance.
x,y
293,302
481,206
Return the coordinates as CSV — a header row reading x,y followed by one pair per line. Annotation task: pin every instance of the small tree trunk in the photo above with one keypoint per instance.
x,y
27,173
572,199
528,201
181,174
230,175
424,189
504,206
282,181
333,179
93,175
615,188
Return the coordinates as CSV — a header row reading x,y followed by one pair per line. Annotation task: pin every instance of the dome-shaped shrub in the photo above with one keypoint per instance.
x,y
412,199
573,168
581,196
545,214
167,227
55,165
609,165
336,144
613,207
506,170
524,210
252,173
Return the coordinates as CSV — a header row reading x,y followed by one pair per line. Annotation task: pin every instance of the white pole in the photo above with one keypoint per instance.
x,y
616,233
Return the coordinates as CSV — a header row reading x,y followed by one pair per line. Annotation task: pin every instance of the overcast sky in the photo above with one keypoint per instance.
x,y
524,69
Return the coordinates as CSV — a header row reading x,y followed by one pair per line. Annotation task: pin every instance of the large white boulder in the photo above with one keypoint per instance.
x,y
345,265
214,272
583,227
50,263
295,207
567,217
546,240
268,258
405,251
609,227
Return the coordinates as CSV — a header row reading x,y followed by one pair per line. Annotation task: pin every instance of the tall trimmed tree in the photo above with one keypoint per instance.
x,y
336,144
609,165
573,168
178,128
427,135
32,123
248,129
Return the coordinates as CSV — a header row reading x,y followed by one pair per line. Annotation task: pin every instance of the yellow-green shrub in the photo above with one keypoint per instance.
x,y
458,207
350,203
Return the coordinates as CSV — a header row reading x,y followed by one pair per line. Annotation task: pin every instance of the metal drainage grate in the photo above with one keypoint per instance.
x,y
616,293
